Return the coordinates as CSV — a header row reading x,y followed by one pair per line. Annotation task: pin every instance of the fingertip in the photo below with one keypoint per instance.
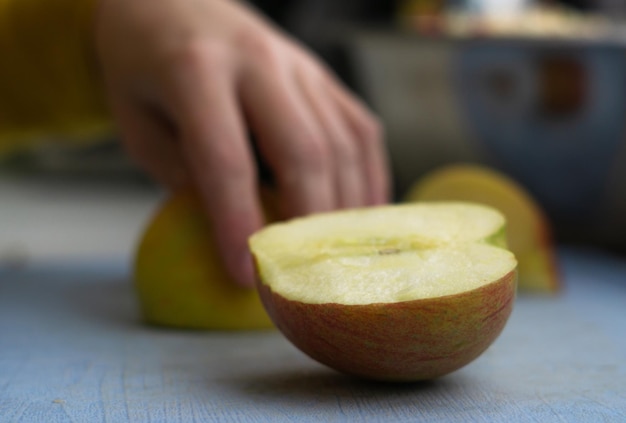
x,y
245,273
232,239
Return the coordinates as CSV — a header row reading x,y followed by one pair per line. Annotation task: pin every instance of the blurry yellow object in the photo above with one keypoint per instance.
x,y
423,15
421,7
180,280
48,85
528,230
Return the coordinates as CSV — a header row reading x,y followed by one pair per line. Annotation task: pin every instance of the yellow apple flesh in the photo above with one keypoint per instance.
x,y
180,280
528,230
401,292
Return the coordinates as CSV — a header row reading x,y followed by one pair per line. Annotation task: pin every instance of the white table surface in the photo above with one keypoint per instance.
x,y
73,349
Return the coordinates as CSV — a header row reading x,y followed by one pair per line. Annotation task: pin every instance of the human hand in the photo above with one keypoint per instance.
x,y
188,80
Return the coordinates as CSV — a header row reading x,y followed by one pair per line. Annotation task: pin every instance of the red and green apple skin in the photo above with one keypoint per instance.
x,y
405,341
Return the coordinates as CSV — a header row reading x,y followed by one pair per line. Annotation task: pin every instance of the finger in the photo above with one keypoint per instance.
x,y
215,146
369,135
349,176
150,142
289,137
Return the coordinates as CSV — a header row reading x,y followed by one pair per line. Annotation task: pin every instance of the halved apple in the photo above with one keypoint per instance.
x,y
528,229
179,278
398,292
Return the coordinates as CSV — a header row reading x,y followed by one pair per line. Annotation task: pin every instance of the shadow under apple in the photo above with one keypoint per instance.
x,y
294,389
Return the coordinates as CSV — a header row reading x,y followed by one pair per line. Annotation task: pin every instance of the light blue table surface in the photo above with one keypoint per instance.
x,y
72,349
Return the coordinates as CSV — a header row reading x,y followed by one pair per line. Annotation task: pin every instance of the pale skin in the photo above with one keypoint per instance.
x,y
188,80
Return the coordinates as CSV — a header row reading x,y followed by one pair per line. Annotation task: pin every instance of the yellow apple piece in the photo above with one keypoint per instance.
x,y
399,292
179,278
528,230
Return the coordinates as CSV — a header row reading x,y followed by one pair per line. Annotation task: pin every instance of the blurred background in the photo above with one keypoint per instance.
x,y
536,89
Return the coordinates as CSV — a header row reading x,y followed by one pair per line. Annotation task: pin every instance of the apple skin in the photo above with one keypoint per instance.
x,y
405,341
180,280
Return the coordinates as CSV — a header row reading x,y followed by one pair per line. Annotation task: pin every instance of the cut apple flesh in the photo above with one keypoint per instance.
x,y
385,254
402,293
528,230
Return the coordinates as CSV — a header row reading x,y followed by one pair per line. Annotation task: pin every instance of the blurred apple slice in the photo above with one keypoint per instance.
x,y
179,279
529,233
399,292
